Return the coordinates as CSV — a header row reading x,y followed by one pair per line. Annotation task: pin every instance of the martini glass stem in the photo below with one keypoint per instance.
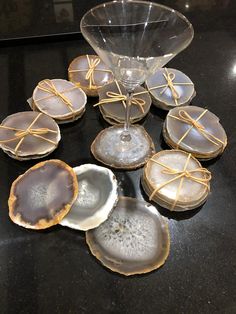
x,y
125,135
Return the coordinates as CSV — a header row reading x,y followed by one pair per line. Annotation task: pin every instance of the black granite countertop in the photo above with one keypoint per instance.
x,y
52,271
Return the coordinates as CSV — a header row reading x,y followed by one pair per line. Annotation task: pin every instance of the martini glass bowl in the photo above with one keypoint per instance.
x,y
134,38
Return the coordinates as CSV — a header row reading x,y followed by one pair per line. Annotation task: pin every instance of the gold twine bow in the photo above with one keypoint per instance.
x,y
21,134
115,97
181,174
185,117
170,77
92,64
51,88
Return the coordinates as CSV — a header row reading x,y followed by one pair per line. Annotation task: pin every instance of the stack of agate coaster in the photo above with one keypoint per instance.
x,y
170,88
112,103
90,73
60,99
97,197
195,130
133,240
43,195
176,180
29,135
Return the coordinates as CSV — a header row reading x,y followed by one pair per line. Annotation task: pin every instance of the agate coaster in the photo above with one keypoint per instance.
x,y
107,147
29,135
60,99
90,73
170,88
43,195
133,240
176,180
97,197
195,130
112,107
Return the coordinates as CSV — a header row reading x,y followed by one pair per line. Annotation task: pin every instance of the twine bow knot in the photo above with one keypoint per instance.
x,y
115,97
90,74
170,76
182,174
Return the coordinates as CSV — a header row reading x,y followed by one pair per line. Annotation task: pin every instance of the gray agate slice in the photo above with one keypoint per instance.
x,y
97,197
163,95
133,240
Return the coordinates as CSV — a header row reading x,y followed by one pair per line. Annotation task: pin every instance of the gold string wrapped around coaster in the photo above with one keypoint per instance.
x,y
51,88
181,174
170,77
92,67
20,134
116,97
186,118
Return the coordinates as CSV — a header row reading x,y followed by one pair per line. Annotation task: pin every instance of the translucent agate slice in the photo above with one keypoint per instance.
x,y
107,149
70,107
190,194
195,142
78,70
116,110
97,197
133,240
32,145
163,97
43,195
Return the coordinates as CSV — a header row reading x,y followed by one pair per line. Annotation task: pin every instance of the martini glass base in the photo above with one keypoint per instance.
x,y
109,149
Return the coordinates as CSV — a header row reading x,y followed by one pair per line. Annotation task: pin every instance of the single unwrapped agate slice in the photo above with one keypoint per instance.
x,y
195,130
176,180
90,73
170,88
43,195
60,99
112,103
98,195
29,135
133,240
106,147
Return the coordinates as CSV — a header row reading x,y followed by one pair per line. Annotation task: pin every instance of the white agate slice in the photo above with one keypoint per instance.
x,y
96,199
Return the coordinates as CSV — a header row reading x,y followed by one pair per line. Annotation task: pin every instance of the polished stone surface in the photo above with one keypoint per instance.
x,y
52,271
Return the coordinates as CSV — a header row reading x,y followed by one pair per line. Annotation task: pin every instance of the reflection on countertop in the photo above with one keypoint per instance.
x,y
30,18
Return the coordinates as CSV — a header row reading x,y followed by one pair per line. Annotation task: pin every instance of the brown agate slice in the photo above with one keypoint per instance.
x,y
115,111
42,137
134,240
78,69
43,195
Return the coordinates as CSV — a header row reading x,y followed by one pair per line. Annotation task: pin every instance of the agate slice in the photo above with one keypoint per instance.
x,y
170,88
90,73
106,147
195,130
176,180
97,197
29,135
112,103
43,195
133,240
60,99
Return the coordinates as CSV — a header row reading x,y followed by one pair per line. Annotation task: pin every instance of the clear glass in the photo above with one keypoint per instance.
x,y
135,38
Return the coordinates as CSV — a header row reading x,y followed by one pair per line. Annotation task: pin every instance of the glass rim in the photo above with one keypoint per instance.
x,y
179,14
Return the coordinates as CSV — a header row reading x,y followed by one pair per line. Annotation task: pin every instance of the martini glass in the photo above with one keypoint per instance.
x,y
134,38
